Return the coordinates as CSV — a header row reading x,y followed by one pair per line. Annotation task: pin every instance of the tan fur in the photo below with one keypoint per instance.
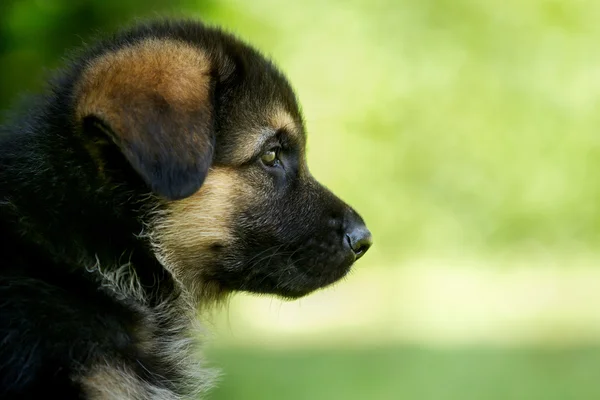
x,y
248,144
280,119
147,94
163,86
175,70
109,382
112,382
183,235
180,343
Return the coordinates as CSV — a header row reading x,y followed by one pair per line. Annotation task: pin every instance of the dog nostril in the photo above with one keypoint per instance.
x,y
362,248
360,240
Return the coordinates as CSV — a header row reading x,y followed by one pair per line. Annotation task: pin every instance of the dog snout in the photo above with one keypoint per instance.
x,y
358,237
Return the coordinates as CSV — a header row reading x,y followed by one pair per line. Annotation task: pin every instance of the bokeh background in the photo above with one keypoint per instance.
x,y
466,134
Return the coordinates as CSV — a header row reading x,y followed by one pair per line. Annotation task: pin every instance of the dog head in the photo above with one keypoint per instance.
x,y
214,131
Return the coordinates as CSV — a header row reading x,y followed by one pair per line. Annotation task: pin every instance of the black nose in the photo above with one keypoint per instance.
x,y
357,235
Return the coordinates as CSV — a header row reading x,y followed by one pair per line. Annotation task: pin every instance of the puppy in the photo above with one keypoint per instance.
x,y
163,169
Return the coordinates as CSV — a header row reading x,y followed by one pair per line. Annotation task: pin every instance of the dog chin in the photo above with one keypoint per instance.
x,y
307,284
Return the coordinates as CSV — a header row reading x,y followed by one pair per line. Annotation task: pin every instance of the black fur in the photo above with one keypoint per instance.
x,y
60,221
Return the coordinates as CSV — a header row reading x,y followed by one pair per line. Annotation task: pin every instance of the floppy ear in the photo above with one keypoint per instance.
x,y
154,99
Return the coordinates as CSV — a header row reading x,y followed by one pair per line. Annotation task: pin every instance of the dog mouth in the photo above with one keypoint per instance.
x,y
286,265
295,278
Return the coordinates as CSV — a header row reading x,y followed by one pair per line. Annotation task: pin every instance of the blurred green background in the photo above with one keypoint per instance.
x,y
466,134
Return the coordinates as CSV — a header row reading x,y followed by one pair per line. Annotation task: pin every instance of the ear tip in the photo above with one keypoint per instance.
x,y
178,189
170,177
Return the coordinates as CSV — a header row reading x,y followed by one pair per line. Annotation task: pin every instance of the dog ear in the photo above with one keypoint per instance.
x,y
154,99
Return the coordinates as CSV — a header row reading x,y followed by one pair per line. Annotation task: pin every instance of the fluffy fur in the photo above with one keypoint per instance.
x,y
162,169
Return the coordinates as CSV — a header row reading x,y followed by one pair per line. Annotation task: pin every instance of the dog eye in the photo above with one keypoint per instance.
x,y
271,157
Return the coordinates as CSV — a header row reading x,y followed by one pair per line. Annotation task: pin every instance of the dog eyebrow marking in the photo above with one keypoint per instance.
x,y
278,121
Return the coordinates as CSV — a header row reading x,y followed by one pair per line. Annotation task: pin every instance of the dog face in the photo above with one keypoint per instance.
x,y
214,130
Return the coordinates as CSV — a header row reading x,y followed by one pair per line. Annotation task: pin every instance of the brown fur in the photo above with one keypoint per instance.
x,y
175,71
166,79
139,194
185,235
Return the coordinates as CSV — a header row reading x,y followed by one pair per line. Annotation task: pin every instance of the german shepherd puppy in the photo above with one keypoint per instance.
x,y
163,169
